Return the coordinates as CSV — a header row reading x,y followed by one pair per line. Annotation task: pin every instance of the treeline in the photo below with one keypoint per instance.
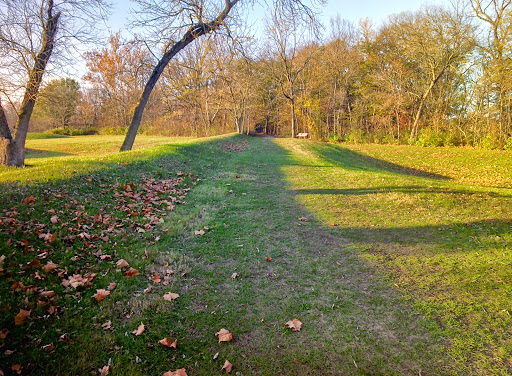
x,y
437,76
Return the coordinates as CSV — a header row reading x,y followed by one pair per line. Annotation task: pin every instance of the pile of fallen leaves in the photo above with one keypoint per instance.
x,y
55,241
238,146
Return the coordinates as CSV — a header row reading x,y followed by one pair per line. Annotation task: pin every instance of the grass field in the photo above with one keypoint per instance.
x,y
396,259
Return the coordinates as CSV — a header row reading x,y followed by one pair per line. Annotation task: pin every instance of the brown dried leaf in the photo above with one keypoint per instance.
x,y
178,372
104,371
49,348
227,366
3,333
122,264
199,232
21,317
268,258
147,290
224,335
294,325
101,294
170,296
303,219
156,279
112,286
169,342
47,294
131,273
107,325
234,275
54,219
50,267
29,200
139,330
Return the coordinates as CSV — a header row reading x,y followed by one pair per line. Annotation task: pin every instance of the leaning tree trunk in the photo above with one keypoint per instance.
x,y
12,151
192,33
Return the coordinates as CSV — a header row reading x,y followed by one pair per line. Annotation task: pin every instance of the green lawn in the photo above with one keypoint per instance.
x,y
401,268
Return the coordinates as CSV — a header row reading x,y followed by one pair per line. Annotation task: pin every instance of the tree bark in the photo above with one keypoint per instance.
x,y
12,152
194,32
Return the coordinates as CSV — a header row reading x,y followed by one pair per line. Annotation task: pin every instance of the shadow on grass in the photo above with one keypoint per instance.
x,y
352,160
35,153
413,189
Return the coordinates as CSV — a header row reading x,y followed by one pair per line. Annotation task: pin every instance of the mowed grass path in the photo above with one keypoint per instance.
x,y
402,269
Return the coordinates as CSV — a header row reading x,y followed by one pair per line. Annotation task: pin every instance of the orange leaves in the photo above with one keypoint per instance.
x,y
303,219
227,366
170,296
268,258
3,333
139,330
131,273
21,317
101,294
168,342
224,335
29,200
77,280
294,325
178,372
156,279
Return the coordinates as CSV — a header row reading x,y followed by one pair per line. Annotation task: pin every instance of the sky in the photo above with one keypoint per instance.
x,y
352,10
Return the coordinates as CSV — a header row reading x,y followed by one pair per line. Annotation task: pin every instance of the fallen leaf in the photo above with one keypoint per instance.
x,y
54,219
17,368
303,219
21,316
49,348
101,294
178,372
199,232
170,296
227,366
139,330
50,267
234,275
333,224
268,258
3,333
131,273
29,200
104,371
112,286
122,264
215,356
107,325
294,325
224,335
65,338
156,279
169,342
147,290
47,294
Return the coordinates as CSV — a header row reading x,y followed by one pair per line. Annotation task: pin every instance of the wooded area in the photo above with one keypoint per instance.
x,y
436,76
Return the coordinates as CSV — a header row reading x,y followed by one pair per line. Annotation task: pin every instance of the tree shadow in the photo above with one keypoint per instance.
x,y
37,154
352,160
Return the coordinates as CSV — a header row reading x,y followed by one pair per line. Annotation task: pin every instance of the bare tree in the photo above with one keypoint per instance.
x,y
184,21
30,32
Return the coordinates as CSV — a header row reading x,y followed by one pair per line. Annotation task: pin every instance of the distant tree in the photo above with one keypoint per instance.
x,y
58,101
30,32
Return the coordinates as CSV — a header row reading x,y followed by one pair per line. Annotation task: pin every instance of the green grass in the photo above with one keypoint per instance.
x,y
402,269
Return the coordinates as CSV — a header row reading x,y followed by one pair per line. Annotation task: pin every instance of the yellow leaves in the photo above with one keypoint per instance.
x,y
170,296
21,317
178,372
168,342
227,366
101,294
294,325
139,330
224,335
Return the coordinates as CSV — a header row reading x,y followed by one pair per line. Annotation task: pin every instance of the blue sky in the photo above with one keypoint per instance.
x,y
353,10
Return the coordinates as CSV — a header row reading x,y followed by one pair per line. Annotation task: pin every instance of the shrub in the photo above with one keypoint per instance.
x,y
429,137
491,141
